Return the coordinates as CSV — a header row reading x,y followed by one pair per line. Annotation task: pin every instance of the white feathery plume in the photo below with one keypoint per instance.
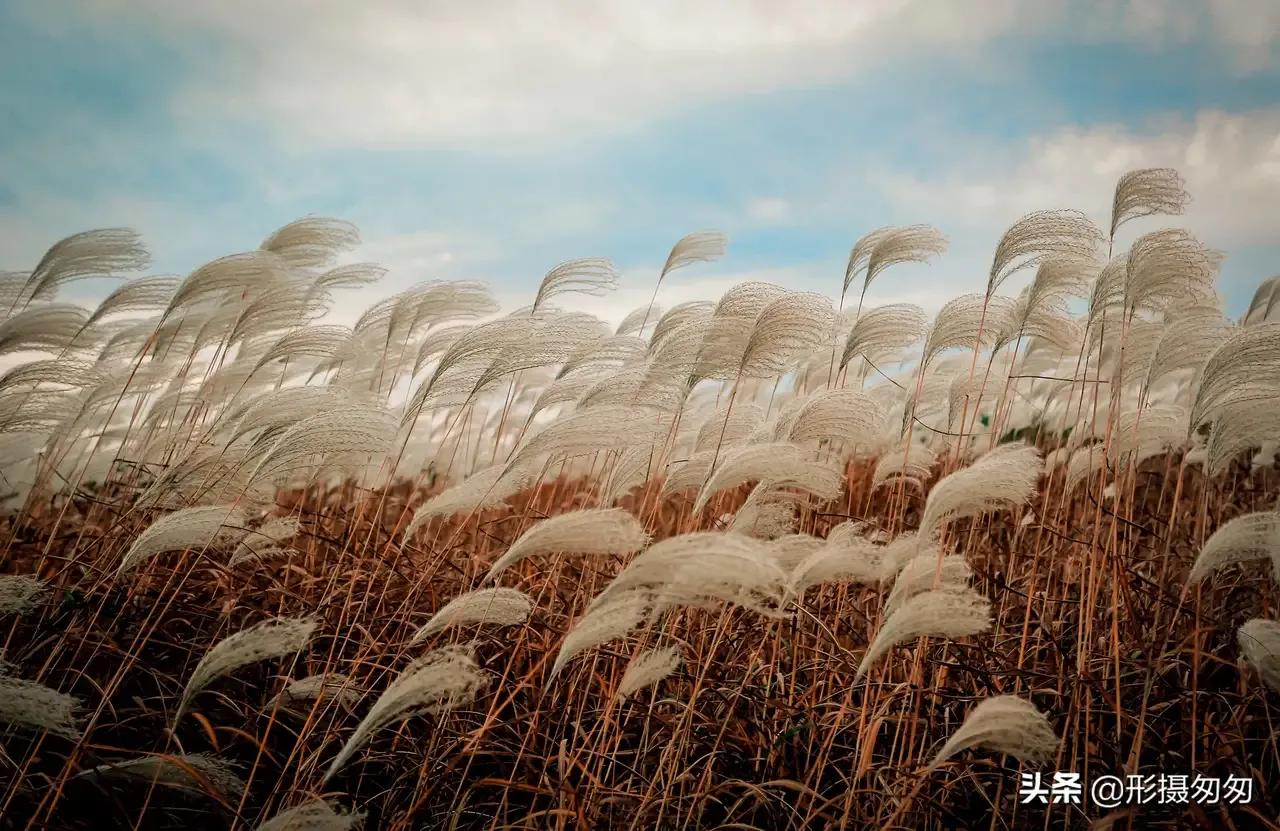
x,y
1246,357
678,317
590,275
264,541
785,330
346,438
729,426
702,569
314,815
482,607
790,550
913,462
233,276
1002,478
605,620
1005,724
145,293
927,571
1246,538
597,429
312,242
647,669
20,593
1168,266
34,706
487,488
841,415
439,681
50,327
198,772
1039,236
858,256
882,331
320,687
770,462
943,613
636,318
101,253
269,639
698,247
1244,421
846,557
965,321
349,276
589,531
190,528
1263,302
1147,192
1259,640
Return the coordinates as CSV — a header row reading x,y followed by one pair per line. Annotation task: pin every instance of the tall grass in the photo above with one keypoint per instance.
x,y
767,562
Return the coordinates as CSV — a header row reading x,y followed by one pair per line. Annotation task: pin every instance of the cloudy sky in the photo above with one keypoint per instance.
x,y
494,139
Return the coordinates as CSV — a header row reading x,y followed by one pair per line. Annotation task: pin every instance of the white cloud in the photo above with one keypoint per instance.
x,y
769,210
1231,163
401,71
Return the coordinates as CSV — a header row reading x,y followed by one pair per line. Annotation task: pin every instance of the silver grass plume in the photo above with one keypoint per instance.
x,y
769,462
442,680
1263,302
269,639
636,318
676,318
345,438
46,328
913,462
790,550
263,542
198,772
841,415
904,244
785,330
482,607
647,669
1039,236
20,593
928,570
1246,357
965,321
605,621
1168,266
941,613
312,242
597,429
34,706
1259,640
846,557
698,247
1005,724
729,426
882,331
1002,478
190,528
315,815
1246,538
1244,421
590,531
487,488
143,294
1147,192
350,276
101,253
858,256
590,275
321,687
703,569
231,276
309,341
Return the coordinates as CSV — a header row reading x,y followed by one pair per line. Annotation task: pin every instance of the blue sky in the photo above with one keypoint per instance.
x,y
492,140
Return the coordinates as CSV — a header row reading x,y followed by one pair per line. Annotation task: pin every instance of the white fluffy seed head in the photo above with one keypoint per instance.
x,y
941,613
1005,724
1259,641
1246,538
483,607
929,570
647,669
20,593
198,772
442,680
1002,478
34,706
316,815
190,528
591,531
264,641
